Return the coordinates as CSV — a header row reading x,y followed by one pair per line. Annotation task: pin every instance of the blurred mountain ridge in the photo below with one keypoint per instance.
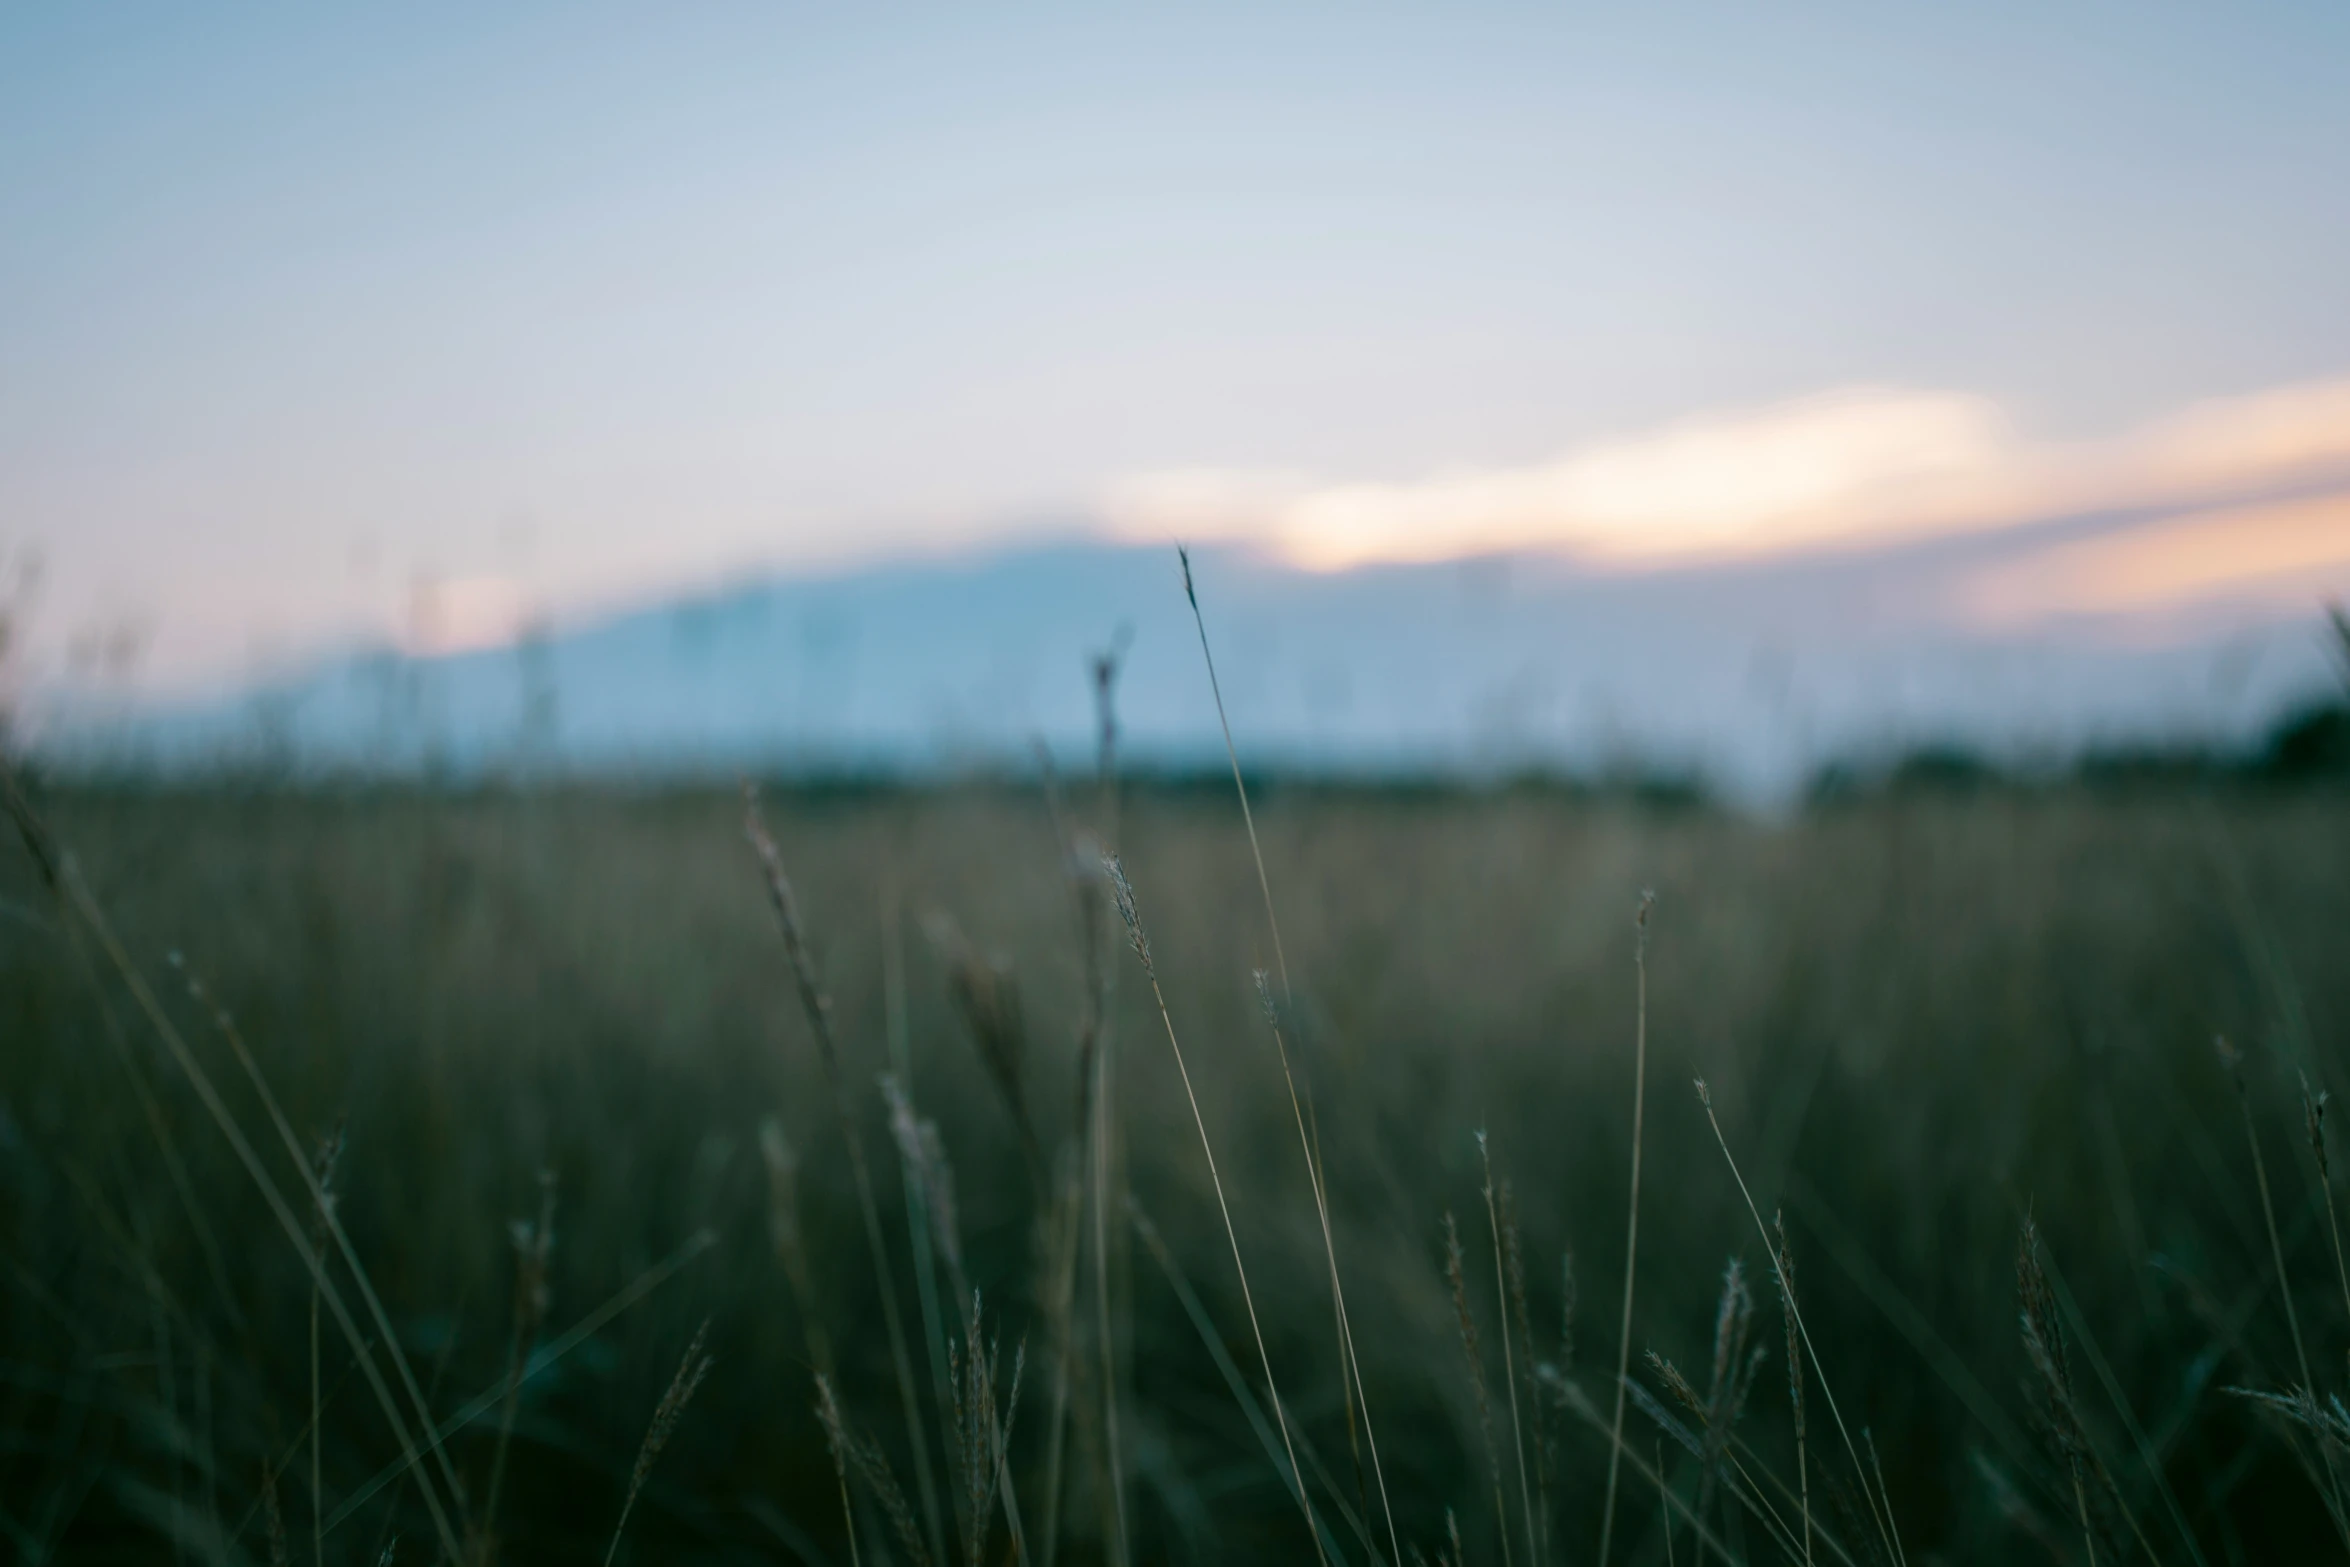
x,y
1753,676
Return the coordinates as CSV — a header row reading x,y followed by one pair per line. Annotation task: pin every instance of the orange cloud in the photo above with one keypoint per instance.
x,y
2286,553
1857,467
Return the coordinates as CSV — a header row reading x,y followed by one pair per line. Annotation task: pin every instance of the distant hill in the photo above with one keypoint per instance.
x,y
1750,678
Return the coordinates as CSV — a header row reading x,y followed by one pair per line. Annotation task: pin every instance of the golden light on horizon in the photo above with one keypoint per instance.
x,y
2285,553
1860,468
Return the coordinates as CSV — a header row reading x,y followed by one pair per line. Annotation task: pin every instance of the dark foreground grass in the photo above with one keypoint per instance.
x,y
581,1110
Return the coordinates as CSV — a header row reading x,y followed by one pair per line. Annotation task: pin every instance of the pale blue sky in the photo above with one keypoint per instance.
x,y
297,305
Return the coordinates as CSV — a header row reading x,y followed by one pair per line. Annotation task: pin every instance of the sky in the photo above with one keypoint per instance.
x,y
421,323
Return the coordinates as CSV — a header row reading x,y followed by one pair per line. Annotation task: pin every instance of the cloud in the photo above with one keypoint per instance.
x,y
1803,472
1856,468
2278,554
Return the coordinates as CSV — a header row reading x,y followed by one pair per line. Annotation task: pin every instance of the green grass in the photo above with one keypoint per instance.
x,y
1921,1015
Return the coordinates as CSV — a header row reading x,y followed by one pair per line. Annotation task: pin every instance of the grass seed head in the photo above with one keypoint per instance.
x,y
324,1160
1676,1384
1123,891
691,1370
986,996
1785,1270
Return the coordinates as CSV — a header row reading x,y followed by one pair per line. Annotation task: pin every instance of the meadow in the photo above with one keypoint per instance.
x,y
603,1125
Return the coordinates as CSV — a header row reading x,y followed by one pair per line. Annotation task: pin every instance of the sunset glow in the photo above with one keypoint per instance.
x,y
1848,470
299,312
2288,555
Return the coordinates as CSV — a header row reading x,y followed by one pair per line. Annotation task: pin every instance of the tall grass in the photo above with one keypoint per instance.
x,y
817,1006
1900,1008
1139,939
1615,1451
1350,1379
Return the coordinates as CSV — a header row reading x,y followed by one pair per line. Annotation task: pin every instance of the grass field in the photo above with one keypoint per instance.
x,y
1922,1015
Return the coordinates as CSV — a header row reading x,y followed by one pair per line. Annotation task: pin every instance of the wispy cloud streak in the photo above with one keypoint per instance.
x,y
1854,469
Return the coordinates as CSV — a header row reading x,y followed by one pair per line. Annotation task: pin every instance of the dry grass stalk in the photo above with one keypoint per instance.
x,y
1783,1267
1251,1408
152,1112
1803,1332
323,1212
1736,1482
1852,1521
817,1005
60,874
2232,1062
691,1369
2044,1346
2109,1492
1750,1492
836,1439
985,994
981,1431
328,1154
788,1239
1736,1362
872,1468
1087,1176
935,1227
2327,1420
534,1242
1349,1369
1509,1364
1123,891
924,1152
547,1357
1232,754
1350,1381
1575,1401
1068,1219
1877,1465
933,1232
1737,1358
920,1243
1456,1276
2313,1111
1521,1320
1615,1452
1540,1372
1104,1179
1107,666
